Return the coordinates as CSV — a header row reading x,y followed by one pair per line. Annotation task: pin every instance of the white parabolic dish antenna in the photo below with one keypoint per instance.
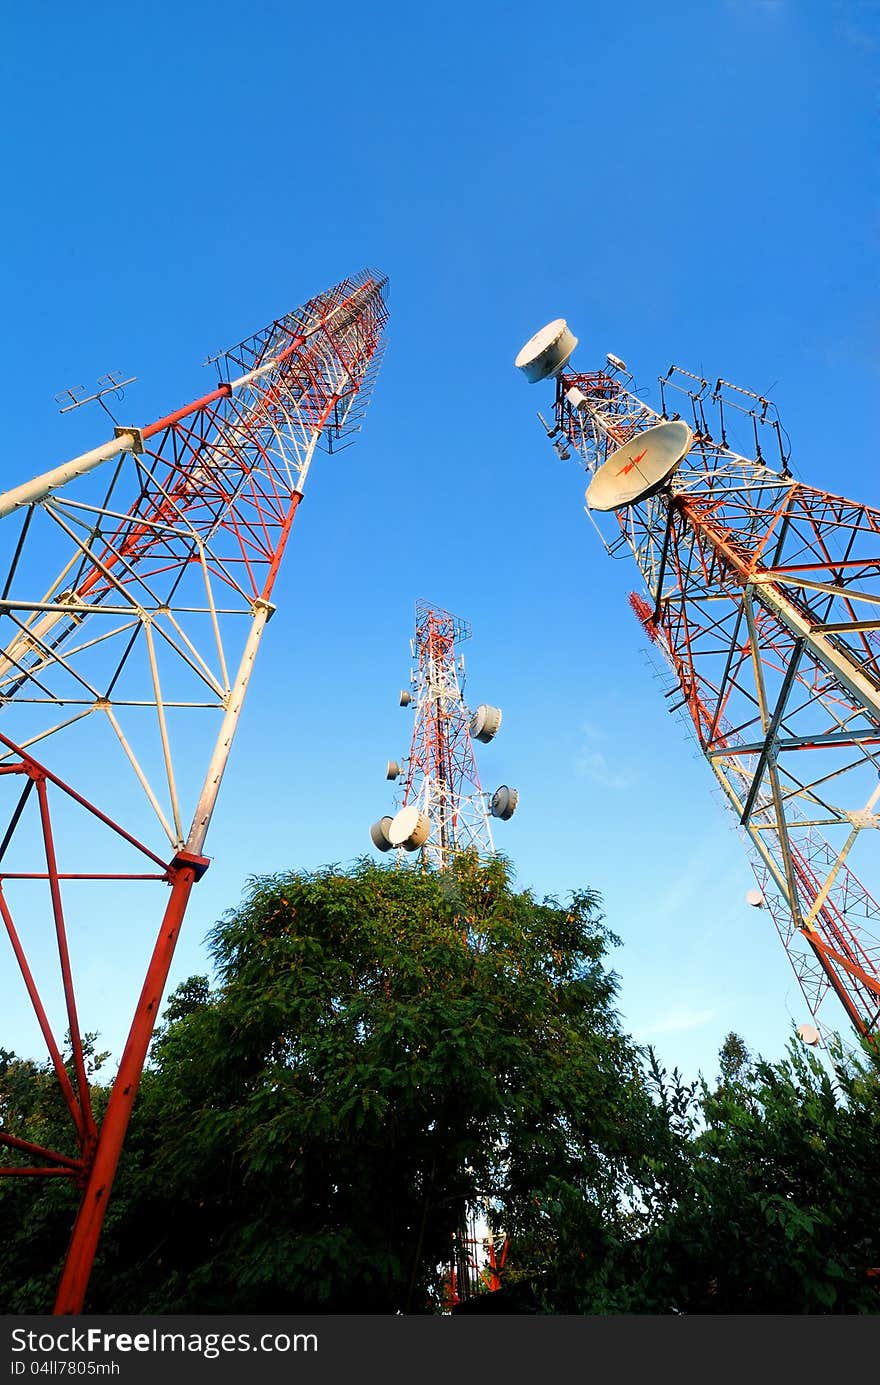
x,y
379,834
409,828
504,801
640,467
547,351
485,722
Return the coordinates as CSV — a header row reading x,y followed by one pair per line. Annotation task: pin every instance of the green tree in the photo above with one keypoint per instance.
x,y
385,1047
382,1047
771,1206
36,1214
734,1060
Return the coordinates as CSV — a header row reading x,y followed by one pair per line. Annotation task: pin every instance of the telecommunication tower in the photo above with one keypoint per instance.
x,y
130,667
762,594
444,809
479,1260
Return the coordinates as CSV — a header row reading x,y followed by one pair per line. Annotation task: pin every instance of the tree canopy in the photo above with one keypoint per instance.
x,y
381,1048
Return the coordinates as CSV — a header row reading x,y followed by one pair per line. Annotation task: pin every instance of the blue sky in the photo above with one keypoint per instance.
x,y
688,184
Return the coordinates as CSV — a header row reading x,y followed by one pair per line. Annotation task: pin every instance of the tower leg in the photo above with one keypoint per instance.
x,y
87,1227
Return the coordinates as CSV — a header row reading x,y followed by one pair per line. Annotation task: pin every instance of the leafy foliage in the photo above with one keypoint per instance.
x,y
35,1222
770,1206
383,1047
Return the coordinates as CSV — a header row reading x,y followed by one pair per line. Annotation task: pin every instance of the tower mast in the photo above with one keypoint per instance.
x,y
444,808
130,669
762,594
445,811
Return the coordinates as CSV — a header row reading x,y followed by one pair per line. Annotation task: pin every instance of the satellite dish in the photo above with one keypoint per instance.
x,y
485,722
640,467
809,1034
379,834
405,697
409,828
392,770
547,351
755,898
504,801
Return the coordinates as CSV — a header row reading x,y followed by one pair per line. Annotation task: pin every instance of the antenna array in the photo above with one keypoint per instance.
x,y
444,808
762,594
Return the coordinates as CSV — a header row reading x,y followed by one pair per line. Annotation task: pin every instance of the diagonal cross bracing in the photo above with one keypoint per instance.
x,y
762,594
168,540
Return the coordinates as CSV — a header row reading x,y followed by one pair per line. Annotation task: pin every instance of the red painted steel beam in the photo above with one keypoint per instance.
x,y
37,1173
840,972
222,392
239,491
77,875
183,873
64,1082
79,1064
28,1147
847,963
36,770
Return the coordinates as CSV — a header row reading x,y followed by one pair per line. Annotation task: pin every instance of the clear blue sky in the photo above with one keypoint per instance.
x,y
687,183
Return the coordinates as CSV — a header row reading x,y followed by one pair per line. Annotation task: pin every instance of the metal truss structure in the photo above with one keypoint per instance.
x,y
440,776
764,596
444,811
128,671
480,1258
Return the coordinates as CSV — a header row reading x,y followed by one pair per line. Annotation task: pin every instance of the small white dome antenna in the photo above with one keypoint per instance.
x,y
547,352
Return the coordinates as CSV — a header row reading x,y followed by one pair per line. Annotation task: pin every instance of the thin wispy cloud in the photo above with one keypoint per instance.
x,y
594,764
703,867
675,1022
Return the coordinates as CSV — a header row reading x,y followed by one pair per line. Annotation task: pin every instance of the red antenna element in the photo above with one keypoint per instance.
x,y
644,615
444,808
130,669
762,594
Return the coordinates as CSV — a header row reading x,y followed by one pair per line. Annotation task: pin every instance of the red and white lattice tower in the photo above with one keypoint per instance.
x,y
479,1259
128,670
763,595
444,809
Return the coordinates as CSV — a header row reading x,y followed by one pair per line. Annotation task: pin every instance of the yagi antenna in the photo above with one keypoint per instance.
x,y
111,383
732,551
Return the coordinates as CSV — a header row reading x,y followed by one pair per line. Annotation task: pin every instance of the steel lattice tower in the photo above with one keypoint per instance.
x,y
763,595
445,811
129,670
444,808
